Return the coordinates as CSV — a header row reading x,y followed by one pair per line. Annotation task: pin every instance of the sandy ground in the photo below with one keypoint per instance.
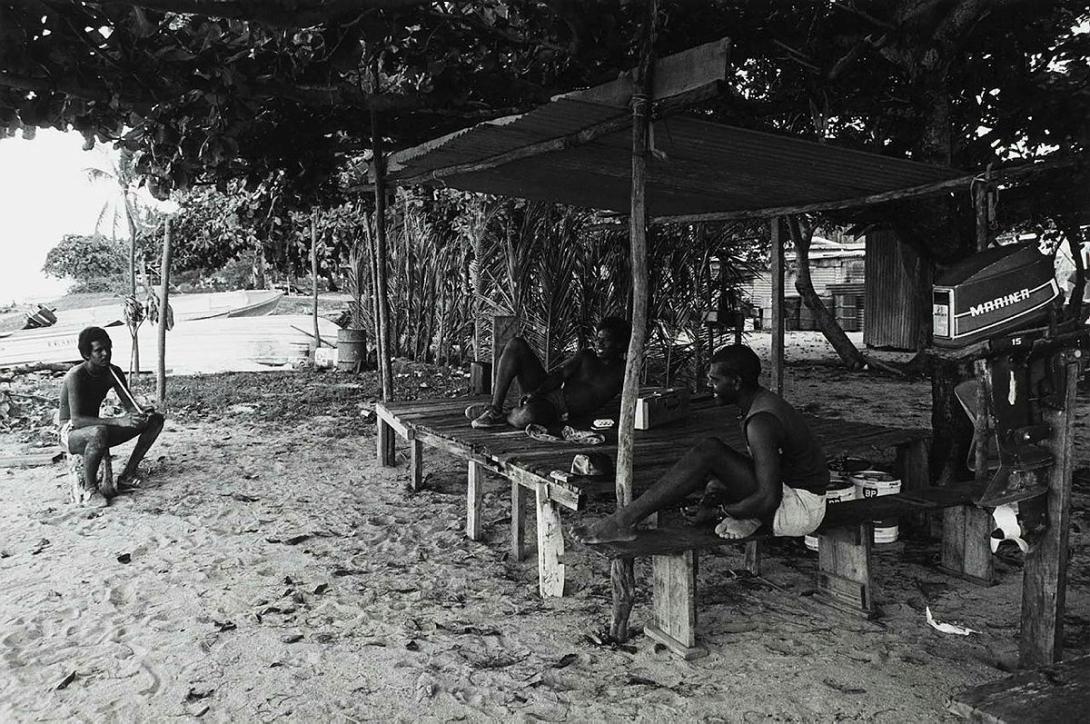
x,y
274,571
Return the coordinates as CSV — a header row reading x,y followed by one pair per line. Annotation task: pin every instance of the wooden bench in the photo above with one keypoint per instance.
x,y
844,560
527,464
1053,693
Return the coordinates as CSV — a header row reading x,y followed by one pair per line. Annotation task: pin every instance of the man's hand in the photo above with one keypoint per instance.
x,y
135,419
529,396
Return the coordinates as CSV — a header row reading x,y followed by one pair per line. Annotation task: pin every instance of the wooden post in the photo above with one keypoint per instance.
x,y
753,548
621,569
777,306
416,461
518,521
981,188
164,299
1044,578
550,546
314,272
384,442
378,167
474,494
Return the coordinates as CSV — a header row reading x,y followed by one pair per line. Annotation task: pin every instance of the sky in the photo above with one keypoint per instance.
x,y
44,194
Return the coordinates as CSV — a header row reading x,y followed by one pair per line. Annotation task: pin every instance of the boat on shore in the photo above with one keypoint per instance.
x,y
57,343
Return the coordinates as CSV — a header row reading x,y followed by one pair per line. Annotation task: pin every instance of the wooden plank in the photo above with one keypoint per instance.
x,y
519,502
30,460
1044,578
474,496
1053,693
555,491
679,74
550,546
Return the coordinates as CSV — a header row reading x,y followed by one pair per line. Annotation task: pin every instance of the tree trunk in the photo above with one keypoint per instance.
x,y
381,289
164,315
314,273
802,233
622,568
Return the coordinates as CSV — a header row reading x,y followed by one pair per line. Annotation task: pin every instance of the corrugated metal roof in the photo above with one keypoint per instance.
x,y
697,167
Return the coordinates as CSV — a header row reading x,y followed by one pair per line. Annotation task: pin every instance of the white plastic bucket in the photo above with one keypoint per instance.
x,y
840,488
873,483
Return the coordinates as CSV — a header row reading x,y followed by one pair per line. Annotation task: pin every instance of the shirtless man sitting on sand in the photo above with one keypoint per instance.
x,y
84,432
782,485
575,390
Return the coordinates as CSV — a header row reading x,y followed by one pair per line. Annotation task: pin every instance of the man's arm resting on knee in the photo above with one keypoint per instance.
x,y
79,420
558,376
764,444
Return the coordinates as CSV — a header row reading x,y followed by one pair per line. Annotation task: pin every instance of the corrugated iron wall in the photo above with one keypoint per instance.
x,y
894,272
823,272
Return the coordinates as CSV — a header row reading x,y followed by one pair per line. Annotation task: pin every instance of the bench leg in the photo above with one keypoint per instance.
x,y
753,557
384,440
844,569
518,521
474,493
622,579
912,466
674,600
966,553
416,464
550,546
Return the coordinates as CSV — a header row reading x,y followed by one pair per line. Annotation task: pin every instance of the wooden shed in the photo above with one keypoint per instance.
x,y
895,275
831,262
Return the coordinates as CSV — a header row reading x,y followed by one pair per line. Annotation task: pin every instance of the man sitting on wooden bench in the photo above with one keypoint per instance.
x,y
782,485
574,390
84,433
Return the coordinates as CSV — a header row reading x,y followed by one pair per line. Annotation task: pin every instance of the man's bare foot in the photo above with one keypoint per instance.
x,y
606,530
735,528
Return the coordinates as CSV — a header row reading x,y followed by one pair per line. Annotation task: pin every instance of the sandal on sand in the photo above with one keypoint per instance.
x,y
488,417
127,483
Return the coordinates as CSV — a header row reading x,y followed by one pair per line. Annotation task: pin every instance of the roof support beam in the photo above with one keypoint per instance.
x,y
770,211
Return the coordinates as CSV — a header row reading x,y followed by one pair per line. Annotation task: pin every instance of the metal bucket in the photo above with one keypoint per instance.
x,y
351,349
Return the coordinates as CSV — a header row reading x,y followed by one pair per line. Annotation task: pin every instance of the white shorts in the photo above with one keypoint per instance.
x,y
62,432
800,512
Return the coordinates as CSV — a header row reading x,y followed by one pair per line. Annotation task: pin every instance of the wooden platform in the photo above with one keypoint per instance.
x,y
527,463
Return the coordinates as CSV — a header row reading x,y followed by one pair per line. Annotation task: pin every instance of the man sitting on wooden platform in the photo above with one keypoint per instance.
x,y
83,432
782,485
574,390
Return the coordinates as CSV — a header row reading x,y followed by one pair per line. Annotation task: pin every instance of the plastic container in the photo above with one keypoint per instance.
x,y
870,484
840,488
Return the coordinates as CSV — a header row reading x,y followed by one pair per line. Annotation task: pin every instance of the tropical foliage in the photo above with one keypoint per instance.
x,y
94,262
